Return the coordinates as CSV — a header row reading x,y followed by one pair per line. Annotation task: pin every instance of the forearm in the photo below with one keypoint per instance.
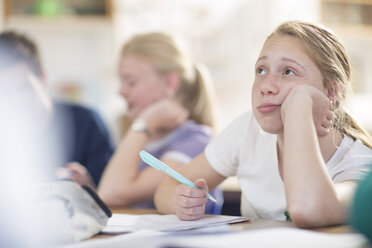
x,y
118,179
311,196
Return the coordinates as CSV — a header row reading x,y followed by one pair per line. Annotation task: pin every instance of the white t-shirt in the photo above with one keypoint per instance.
x,y
245,151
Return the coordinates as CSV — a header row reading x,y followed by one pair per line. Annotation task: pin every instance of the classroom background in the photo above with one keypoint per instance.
x,y
79,43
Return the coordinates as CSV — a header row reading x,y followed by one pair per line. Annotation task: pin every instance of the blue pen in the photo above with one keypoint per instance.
x,y
157,164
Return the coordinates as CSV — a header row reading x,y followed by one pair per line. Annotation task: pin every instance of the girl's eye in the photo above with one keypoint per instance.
x,y
261,71
289,72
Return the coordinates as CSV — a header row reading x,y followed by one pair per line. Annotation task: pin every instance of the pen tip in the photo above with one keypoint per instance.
x,y
212,198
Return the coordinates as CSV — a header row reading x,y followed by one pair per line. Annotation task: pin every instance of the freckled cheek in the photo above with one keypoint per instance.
x,y
319,84
255,93
285,90
255,100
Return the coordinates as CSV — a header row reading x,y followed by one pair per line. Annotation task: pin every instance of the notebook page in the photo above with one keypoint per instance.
x,y
120,223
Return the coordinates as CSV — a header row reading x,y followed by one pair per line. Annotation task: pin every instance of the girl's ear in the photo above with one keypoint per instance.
x,y
173,82
332,92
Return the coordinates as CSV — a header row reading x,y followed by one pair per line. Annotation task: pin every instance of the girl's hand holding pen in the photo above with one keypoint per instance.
x,y
188,198
190,203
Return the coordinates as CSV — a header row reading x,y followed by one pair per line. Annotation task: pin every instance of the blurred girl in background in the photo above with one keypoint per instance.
x,y
170,102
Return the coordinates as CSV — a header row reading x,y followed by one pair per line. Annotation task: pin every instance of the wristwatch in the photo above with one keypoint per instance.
x,y
139,125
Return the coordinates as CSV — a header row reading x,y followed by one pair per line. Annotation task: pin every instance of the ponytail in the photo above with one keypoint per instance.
x,y
350,127
198,97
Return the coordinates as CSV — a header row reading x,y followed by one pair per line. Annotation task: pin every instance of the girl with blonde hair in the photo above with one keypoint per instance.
x,y
297,154
171,109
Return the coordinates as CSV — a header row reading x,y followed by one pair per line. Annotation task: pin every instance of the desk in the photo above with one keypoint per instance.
x,y
249,225
261,224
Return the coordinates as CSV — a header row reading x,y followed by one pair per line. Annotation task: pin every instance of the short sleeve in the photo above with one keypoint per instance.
x,y
352,161
353,168
223,152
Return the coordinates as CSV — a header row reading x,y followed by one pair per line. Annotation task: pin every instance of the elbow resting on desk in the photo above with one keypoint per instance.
x,y
322,209
315,214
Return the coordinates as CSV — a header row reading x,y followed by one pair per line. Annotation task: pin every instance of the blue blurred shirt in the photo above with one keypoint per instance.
x,y
82,136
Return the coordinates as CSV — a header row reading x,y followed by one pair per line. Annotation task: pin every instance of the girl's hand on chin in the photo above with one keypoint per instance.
x,y
303,100
165,114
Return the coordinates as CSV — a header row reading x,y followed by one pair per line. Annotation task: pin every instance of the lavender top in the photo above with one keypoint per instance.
x,y
184,144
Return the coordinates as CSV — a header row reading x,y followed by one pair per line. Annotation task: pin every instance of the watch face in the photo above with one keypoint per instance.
x,y
139,125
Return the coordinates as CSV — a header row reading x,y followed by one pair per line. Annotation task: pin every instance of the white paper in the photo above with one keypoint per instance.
x,y
120,223
139,239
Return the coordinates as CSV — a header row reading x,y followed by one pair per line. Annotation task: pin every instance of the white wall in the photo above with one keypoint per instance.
x,y
71,50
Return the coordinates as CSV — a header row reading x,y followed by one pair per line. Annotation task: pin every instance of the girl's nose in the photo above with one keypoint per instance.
x,y
269,85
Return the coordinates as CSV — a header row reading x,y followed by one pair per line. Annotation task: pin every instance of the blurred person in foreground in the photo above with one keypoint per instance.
x,y
81,133
39,135
361,214
170,102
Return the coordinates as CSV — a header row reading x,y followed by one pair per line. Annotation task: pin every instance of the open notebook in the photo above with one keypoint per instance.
x,y
121,223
